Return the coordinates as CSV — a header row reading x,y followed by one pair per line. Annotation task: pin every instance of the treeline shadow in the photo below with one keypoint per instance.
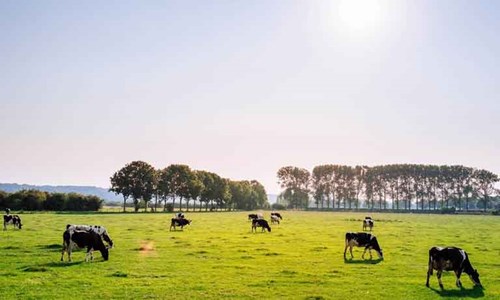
x,y
475,292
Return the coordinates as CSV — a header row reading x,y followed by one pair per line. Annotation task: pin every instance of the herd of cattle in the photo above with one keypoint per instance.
x,y
96,238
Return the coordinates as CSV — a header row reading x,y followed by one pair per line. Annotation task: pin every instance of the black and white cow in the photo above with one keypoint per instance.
x,y
252,216
260,223
368,223
448,259
277,215
15,220
83,239
179,222
275,219
101,230
362,239
255,216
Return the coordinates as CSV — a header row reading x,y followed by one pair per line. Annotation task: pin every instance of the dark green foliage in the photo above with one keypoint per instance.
x,y
277,206
33,200
55,202
398,186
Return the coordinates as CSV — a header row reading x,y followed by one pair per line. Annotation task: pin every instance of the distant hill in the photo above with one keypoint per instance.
x,y
84,190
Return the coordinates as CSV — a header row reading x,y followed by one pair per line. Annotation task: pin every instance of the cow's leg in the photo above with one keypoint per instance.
x,y
350,250
87,255
345,249
69,249
438,274
429,273
364,252
458,273
4,226
63,250
370,252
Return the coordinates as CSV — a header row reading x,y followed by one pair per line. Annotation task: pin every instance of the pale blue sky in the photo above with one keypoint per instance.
x,y
242,88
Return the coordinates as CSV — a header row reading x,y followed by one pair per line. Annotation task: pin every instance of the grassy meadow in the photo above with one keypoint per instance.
x,y
219,257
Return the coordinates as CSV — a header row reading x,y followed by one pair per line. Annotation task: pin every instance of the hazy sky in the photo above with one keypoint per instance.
x,y
242,88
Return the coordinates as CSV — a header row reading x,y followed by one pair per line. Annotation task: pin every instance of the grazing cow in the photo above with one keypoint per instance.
x,y
368,223
275,219
451,258
179,215
252,216
362,239
260,223
100,230
12,219
277,215
81,239
179,222
255,216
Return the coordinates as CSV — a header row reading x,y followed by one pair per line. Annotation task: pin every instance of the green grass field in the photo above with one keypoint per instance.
x,y
219,257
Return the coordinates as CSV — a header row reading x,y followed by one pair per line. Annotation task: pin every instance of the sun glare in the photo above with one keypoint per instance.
x,y
360,16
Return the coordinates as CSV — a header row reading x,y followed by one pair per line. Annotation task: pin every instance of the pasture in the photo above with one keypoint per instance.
x,y
218,256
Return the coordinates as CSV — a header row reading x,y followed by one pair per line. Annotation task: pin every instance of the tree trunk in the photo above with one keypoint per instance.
x,y
136,205
124,202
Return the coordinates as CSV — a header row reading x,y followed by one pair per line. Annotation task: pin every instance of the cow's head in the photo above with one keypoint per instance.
x,y
380,253
108,240
474,276
105,253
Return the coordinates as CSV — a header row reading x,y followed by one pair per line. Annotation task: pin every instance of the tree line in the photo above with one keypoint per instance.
x,y
143,184
35,200
395,186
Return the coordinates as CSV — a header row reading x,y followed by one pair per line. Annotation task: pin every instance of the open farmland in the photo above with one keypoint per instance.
x,y
218,257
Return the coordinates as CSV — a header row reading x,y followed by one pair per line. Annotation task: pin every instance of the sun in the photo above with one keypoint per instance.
x,y
360,16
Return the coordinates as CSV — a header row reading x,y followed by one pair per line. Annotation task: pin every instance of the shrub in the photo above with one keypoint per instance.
x,y
277,206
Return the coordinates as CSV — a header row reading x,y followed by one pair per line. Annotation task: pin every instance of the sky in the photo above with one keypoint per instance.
x,y
242,88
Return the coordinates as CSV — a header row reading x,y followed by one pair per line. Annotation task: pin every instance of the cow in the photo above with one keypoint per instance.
x,y
179,222
252,216
451,258
368,223
260,223
255,216
179,215
15,220
96,228
81,239
277,215
275,219
362,239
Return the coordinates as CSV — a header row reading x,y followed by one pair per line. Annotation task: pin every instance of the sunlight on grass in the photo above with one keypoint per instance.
x,y
219,257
